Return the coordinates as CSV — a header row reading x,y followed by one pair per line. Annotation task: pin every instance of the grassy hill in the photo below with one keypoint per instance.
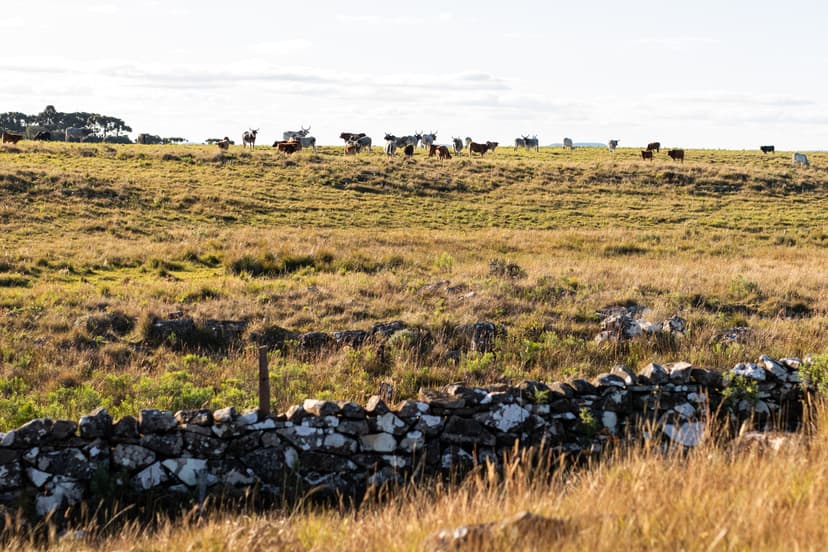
x,y
98,240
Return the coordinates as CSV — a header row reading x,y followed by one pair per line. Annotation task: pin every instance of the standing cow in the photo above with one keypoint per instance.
x,y
427,140
611,145
676,155
567,144
800,160
767,149
75,134
654,146
520,143
458,145
249,138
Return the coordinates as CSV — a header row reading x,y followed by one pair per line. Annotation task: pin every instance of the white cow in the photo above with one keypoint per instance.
x,y
800,159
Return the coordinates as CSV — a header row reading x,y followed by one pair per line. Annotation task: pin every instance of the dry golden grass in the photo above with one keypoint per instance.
x,y
726,239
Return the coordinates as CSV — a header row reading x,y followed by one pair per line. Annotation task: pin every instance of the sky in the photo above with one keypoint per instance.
x,y
716,74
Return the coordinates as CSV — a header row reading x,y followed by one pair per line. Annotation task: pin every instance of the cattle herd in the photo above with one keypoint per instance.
x,y
356,142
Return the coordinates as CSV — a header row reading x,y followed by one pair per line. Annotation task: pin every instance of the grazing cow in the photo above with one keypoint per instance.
x,y
800,160
520,143
567,144
532,142
224,144
458,145
474,147
43,135
443,152
767,149
287,147
432,150
390,148
676,154
427,140
249,137
654,146
11,137
348,136
409,151
492,146
75,134
647,155
612,144
352,147
363,141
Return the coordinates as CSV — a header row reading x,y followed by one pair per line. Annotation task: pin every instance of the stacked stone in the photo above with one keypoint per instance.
x,y
343,448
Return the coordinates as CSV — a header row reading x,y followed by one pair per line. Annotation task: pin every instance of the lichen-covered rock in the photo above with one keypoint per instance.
x,y
321,408
11,476
69,462
378,442
654,374
388,423
689,434
303,437
170,444
156,421
187,470
505,418
464,431
750,370
126,428
201,417
150,477
132,457
268,464
625,373
680,372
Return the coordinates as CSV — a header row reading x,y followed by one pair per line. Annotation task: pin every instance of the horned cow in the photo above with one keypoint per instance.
x,y
76,134
249,138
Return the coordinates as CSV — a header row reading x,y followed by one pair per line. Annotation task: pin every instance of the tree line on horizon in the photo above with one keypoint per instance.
x,y
105,128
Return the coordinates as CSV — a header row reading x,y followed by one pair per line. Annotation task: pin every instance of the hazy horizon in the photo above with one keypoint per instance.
x,y
706,75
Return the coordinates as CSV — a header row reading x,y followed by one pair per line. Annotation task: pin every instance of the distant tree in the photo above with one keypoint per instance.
x,y
174,140
47,117
14,121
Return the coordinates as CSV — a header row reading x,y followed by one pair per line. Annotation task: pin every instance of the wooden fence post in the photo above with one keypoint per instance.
x,y
264,383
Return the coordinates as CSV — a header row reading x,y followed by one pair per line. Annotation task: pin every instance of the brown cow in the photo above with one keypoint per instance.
x,y
11,137
654,146
443,153
474,147
352,148
676,154
647,155
432,150
288,146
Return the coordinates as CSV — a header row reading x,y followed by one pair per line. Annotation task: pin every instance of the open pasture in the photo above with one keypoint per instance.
x,y
99,239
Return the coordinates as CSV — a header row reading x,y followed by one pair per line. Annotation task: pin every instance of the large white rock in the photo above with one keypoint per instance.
x,y
685,410
37,477
689,434
390,423
150,477
186,469
132,456
506,418
610,421
413,441
378,442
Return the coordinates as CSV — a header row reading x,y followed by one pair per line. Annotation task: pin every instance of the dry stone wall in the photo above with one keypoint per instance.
x,y
343,448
